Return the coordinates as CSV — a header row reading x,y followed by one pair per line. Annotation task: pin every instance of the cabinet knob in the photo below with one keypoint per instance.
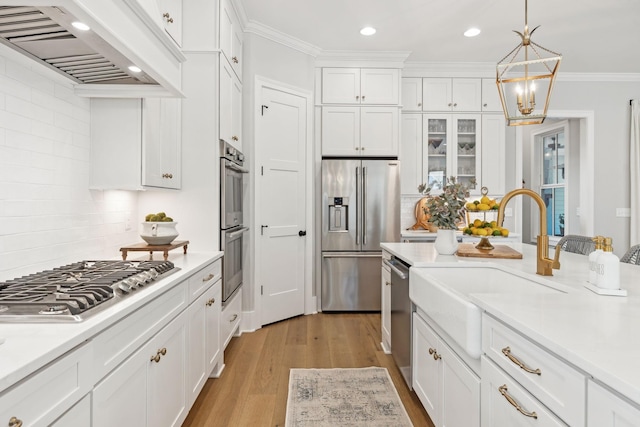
x,y
235,138
362,148
363,97
167,17
455,104
357,148
156,358
387,283
162,351
15,422
234,59
484,105
419,104
449,104
211,302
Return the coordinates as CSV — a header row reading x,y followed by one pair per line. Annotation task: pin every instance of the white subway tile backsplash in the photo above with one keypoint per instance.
x,y
48,216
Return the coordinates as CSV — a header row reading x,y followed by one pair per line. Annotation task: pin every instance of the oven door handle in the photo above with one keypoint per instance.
x,y
231,165
236,234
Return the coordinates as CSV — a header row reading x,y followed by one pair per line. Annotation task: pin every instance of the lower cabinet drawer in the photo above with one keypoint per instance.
x,y
506,403
204,278
552,381
50,392
230,318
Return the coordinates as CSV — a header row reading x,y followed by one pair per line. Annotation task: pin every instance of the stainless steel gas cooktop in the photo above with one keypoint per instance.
x,y
75,291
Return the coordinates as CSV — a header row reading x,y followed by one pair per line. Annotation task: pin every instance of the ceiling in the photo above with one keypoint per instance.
x,y
594,36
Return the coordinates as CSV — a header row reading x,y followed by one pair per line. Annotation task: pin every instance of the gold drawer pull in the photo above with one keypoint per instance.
x,y
209,277
211,302
15,422
503,391
233,318
162,351
433,352
507,352
156,358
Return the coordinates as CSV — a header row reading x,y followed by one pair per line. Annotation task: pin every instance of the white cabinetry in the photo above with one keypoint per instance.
x,y
360,86
451,147
149,387
446,94
171,14
546,380
78,416
490,96
230,106
230,318
135,143
231,37
605,409
43,397
412,94
386,303
360,131
494,164
446,386
411,153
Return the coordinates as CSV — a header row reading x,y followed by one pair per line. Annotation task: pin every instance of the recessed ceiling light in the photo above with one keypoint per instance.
x,y
472,32
134,69
81,26
368,31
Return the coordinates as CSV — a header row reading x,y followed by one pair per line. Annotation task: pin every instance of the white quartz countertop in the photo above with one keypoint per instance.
x,y
29,346
598,334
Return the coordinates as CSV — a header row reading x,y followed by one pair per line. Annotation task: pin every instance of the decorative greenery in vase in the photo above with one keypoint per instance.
x,y
446,209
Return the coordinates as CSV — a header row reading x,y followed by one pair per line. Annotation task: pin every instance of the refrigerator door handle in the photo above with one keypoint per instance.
x,y
352,255
362,206
358,205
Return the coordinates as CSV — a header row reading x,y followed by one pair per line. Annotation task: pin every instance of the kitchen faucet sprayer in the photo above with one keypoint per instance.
x,y
544,265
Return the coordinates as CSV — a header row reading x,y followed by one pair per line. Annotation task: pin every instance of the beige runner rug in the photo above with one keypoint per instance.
x,y
344,397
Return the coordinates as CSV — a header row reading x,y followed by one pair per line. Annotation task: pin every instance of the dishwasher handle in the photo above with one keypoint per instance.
x,y
392,266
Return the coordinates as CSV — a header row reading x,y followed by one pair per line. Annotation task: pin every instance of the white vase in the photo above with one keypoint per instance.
x,y
446,242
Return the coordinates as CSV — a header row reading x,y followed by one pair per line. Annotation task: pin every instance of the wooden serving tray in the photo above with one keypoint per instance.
x,y
144,247
499,251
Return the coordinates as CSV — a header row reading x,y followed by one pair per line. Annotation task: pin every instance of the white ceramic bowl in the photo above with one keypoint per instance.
x,y
159,233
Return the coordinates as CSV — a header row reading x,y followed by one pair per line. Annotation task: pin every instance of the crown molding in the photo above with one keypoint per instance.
x,y
281,38
366,58
449,69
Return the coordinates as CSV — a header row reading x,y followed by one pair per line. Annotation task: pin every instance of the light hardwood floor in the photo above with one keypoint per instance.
x,y
252,390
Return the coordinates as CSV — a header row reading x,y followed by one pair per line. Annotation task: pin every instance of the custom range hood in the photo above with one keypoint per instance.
x,y
97,59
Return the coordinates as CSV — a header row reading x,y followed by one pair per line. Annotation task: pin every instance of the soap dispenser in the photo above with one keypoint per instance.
x,y
593,256
608,267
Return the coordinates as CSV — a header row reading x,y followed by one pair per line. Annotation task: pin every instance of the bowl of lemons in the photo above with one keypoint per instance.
x,y
159,229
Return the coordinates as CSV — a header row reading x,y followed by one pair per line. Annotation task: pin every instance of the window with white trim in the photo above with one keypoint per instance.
x,y
552,149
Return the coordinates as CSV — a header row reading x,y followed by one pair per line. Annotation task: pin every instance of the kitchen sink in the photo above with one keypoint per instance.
x,y
443,294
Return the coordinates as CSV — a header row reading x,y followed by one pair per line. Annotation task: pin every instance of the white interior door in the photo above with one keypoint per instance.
x,y
281,146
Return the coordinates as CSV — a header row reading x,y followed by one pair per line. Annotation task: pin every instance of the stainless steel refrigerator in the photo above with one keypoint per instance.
x,y
360,209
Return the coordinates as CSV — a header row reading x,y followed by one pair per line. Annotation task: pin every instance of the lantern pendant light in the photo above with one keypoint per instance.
x,y
526,71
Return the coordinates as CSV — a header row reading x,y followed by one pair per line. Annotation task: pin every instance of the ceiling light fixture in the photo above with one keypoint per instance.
x,y
134,69
368,31
81,26
522,73
472,32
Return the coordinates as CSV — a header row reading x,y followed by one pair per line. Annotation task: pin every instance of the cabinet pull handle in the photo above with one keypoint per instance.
x,y
434,353
156,358
363,97
15,422
455,104
234,59
211,302
357,97
234,138
233,318
503,391
167,17
167,175
507,352
163,351
209,277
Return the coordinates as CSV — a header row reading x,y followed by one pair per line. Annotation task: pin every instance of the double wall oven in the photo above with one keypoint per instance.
x,y
232,229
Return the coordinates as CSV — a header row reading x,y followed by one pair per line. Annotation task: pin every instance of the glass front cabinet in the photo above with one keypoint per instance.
x,y
451,147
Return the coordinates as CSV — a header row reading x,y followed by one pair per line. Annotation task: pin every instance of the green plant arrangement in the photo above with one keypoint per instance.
x,y
446,210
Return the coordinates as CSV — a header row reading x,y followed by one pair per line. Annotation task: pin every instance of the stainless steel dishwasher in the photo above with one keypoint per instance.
x,y
401,312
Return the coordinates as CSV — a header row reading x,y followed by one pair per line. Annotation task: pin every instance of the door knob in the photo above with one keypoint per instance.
x,y
302,233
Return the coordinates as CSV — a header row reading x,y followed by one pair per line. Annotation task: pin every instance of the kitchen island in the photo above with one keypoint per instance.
x,y
48,368
586,333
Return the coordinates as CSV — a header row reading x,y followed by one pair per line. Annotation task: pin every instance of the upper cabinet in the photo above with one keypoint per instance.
x,y
135,143
231,37
369,86
445,94
412,94
490,96
230,106
171,13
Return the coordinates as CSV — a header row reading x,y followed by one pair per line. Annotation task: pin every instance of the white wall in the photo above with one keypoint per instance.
x,y
48,217
270,60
